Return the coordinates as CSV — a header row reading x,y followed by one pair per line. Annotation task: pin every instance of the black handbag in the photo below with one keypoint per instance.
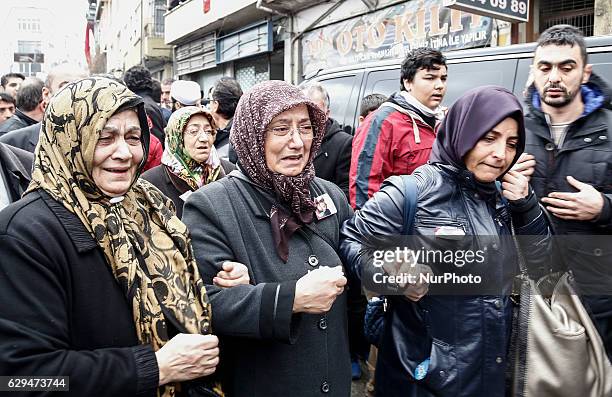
x,y
374,319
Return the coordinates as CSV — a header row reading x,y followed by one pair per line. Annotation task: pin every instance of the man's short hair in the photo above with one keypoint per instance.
x,y
370,103
167,81
68,69
29,95
5,79
4,97
138,78
156,91
227,92
316,89
420,58
562,35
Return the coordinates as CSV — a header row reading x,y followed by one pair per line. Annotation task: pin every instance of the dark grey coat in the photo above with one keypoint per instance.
x,y
266,350
24,138
16,168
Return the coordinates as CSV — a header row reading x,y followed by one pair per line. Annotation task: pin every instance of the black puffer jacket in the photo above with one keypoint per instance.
x,y
333,161
464,334
586,154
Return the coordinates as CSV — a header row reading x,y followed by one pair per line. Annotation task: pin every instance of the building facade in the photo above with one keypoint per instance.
x,y
213,38
131,32
35,36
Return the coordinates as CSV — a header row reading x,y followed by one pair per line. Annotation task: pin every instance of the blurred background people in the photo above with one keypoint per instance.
x,y
224,98
166,100
30,106
15,172
369,104
333,160
11,82
138,79
7,107
60,75
185,93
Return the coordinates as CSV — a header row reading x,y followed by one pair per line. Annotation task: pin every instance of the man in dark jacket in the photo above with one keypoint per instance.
x,y
569,139
15,172
333,160
398,138
225,96
30,106
27,138
139,80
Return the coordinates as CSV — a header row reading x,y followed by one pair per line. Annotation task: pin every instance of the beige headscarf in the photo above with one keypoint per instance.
x,y
146,246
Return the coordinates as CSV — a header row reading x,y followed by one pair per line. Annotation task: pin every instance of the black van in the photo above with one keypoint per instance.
x,y
504,66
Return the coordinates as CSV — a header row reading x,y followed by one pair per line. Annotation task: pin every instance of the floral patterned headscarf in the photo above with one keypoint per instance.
x,y
133,229
176,158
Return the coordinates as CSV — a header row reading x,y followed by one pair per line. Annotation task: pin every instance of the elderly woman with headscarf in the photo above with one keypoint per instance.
x,y
98,281
285,334
190,159
452,338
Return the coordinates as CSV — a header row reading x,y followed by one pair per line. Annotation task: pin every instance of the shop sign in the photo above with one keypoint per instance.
x,y
508,10
391,33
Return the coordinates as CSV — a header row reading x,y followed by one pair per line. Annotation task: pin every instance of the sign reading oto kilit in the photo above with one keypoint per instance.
x,y
391,33
508,10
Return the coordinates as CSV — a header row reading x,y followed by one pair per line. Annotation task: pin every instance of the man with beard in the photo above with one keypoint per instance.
x,y
569,141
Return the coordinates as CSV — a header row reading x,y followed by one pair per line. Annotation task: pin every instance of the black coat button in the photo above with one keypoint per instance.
x,y
325,387
313,260
323,323
549,146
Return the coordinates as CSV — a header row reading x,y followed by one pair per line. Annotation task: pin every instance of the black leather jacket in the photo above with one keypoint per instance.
x,y
464,335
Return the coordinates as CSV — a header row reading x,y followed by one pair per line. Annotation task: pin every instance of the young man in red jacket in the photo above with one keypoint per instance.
x,y
397,138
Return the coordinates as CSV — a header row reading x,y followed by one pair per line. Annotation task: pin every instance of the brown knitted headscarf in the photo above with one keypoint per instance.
x,y
255,110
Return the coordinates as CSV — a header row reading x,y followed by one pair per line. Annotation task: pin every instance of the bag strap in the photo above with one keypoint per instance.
x,y
411,192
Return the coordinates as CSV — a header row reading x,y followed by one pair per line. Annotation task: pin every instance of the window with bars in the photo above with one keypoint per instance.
x,y
252,71
158,17
579,13
28,24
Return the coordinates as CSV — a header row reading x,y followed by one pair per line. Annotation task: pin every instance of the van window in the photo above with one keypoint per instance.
x,y
384,82
465,76
343,95
602,65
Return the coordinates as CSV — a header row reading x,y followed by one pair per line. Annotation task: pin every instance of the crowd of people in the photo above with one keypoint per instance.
x,y
159,241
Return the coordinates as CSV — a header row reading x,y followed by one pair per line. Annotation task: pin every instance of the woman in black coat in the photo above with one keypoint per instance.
x,y
450,337
190,159
286,333
98,281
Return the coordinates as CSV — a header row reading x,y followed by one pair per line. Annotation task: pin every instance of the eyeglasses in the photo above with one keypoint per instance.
x,y
194,132
305,130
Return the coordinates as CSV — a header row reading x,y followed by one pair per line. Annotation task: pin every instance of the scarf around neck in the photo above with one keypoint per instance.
x,y
147,248
437,114
255,111
177,160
